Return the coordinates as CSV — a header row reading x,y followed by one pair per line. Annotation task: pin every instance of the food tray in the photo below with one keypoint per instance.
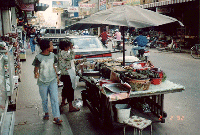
x,y
116,88
90,73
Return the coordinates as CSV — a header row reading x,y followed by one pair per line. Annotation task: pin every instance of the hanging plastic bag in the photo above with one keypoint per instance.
x,y
78,103
72,75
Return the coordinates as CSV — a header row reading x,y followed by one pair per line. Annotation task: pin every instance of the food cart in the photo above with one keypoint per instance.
x,y
107,85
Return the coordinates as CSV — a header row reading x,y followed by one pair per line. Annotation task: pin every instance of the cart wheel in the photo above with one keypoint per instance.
x,y
162,120
164,115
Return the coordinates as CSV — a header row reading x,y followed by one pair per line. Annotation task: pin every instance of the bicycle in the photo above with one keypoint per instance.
x,y
195,51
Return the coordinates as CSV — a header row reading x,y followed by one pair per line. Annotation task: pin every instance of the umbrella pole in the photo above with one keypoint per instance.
x,y
123,46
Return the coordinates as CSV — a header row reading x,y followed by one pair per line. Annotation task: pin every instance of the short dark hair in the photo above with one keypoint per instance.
x,y
140,32
44,44
64,44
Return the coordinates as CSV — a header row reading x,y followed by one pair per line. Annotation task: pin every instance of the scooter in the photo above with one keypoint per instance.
x,y
117,45
173,46
152,43
142,54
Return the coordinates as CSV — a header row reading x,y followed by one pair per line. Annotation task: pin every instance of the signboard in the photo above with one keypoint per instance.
x,y
76,14
102,4
60,4
117,3
57,4
57,10
132,2
87,5
72,9
163,10
1,26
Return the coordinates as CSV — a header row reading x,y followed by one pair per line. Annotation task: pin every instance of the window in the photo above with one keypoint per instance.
x,y
52,31
57,31
62,31
85,43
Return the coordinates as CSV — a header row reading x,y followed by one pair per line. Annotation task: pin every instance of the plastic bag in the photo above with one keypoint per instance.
x,y
72,75
78,103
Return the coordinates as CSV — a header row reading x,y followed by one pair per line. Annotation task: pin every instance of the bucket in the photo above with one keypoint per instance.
x,y
123,112
156,81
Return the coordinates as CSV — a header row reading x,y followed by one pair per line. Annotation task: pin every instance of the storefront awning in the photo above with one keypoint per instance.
x,y
162,3
41,7
7,3
27,7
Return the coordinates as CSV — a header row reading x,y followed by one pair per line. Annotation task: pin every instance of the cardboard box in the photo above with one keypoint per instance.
x,y
22,56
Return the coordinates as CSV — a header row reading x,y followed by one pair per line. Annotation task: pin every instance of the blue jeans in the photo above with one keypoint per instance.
x,y
52,90
32,45
136,48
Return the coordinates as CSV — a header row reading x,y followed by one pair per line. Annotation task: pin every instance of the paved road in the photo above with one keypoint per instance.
x,y
182,108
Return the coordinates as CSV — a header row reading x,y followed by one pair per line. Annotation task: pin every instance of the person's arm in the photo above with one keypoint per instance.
x,y
100,35
134,41
66,56
36,64
36,72
69,56
56,74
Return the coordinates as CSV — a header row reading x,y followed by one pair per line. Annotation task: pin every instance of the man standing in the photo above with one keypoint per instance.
x,y
118,37
32,36
104,37
141,42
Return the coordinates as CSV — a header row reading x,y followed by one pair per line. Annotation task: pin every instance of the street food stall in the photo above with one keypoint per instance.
x,y
138,84
111,83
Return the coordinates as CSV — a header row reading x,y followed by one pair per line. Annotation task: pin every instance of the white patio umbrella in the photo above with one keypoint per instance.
x,y
125,15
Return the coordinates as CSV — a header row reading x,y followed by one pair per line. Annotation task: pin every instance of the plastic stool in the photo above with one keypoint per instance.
x,y
138,123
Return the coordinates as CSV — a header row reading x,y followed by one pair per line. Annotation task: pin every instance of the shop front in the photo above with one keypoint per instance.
x,y
11,47
186,11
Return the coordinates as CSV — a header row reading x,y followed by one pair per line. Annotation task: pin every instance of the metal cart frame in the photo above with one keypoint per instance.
x,y
102,107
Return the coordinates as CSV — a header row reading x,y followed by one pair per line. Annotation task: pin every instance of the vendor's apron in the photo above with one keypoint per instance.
x,y
72,74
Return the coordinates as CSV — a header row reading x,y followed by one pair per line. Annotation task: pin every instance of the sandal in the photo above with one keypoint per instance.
x,y
63,104
74,110
46,117
58,122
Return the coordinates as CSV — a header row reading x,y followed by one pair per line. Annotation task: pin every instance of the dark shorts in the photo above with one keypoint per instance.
x,y
67,91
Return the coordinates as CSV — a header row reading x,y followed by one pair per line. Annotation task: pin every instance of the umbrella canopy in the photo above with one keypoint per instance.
x,y
125,15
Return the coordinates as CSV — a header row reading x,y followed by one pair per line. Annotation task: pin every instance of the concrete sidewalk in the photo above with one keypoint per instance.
x,y
29,113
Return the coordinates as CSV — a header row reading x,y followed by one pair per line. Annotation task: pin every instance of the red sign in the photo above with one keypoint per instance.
x,y
86,5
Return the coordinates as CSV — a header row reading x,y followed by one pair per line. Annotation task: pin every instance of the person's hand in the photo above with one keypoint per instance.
x,y
36,75
71,46
58,80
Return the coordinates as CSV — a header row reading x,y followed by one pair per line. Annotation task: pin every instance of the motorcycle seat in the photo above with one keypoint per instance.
x,y
141,52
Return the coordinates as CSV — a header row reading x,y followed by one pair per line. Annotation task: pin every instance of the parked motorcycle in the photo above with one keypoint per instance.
x,y
173,46
152,43
176,47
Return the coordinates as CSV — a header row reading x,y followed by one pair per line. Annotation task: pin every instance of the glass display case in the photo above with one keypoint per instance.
x,y
3,94
9,69
7,86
